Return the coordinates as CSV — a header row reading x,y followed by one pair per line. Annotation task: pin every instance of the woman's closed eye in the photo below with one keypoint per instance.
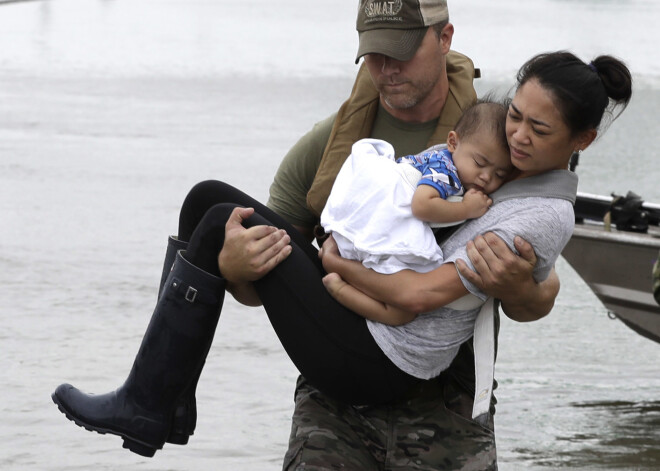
x,y
516,117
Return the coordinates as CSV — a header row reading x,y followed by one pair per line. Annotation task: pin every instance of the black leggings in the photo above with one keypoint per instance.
x,y
330,345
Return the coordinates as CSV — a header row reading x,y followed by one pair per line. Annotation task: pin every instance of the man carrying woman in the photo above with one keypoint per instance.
x,y
237,244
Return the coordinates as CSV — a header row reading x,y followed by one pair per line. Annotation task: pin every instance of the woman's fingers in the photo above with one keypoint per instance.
x,y
499,270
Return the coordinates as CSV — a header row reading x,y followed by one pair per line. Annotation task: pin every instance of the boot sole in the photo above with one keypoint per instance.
x,y
136,446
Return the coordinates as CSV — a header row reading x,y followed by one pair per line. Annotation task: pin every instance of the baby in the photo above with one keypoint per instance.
x,y
380,211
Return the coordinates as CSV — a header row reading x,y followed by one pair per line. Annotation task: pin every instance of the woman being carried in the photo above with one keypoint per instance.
x,y
556,110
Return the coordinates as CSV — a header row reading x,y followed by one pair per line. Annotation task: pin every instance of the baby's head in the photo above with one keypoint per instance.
x,y
479,147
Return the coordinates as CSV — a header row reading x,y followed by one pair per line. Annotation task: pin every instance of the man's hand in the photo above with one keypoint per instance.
x,y
502,274
249,254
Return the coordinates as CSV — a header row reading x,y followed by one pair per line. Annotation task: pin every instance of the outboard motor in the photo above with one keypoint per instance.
x,y
627,213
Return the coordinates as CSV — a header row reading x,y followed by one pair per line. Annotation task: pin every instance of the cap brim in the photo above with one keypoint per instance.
x,y
400,44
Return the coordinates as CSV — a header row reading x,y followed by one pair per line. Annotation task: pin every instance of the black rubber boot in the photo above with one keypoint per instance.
x,y
173,246
172,352
184,419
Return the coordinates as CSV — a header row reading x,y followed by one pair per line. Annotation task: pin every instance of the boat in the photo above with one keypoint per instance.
x,y
614,246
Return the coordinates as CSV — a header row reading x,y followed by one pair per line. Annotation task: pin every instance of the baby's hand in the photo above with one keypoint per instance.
x,y
476,203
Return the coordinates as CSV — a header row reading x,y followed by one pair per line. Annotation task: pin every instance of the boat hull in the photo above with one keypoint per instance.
x,y
617,266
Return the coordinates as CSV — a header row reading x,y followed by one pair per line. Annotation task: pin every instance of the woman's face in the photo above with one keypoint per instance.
x,y
538,137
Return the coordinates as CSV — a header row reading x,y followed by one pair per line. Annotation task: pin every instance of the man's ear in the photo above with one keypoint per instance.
x,y
446,37
452,141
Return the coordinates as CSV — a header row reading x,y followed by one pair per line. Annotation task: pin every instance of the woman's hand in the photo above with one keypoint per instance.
x,y
499,271
502,274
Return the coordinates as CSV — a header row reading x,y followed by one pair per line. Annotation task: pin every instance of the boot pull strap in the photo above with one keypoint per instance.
x,y
192,294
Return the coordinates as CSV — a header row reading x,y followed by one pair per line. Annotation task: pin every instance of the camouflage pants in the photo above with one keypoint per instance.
x,y
656,280
425,431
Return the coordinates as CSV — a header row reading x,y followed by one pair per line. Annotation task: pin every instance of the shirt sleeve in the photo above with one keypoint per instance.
x,y
294,177
437,170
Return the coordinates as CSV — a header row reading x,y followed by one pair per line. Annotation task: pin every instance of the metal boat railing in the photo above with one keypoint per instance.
x,y
627,213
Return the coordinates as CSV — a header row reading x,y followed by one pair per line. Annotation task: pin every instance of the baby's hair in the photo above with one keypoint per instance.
x,y
488,115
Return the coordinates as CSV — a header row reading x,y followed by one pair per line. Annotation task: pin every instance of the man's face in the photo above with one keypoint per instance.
x,y
404,85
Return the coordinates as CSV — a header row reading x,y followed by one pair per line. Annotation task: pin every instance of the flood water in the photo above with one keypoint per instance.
x,y
111,110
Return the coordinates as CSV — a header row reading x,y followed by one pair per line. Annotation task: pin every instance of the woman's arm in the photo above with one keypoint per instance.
x,y
502,274
407,290
361,304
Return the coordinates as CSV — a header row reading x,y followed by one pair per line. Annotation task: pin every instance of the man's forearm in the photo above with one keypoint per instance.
x,y
537,301
244,293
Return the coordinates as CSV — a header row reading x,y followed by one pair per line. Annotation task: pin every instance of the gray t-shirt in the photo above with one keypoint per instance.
x,y
427,345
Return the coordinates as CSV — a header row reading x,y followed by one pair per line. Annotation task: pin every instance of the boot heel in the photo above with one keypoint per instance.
x,y
181,427
139,448
176,438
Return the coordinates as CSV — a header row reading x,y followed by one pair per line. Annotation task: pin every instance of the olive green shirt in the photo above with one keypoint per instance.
x,y
288,192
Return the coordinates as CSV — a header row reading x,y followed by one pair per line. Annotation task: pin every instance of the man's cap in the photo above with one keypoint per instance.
x,y
396,28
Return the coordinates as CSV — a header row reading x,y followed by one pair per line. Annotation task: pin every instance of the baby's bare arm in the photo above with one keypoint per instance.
x,y
427,205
